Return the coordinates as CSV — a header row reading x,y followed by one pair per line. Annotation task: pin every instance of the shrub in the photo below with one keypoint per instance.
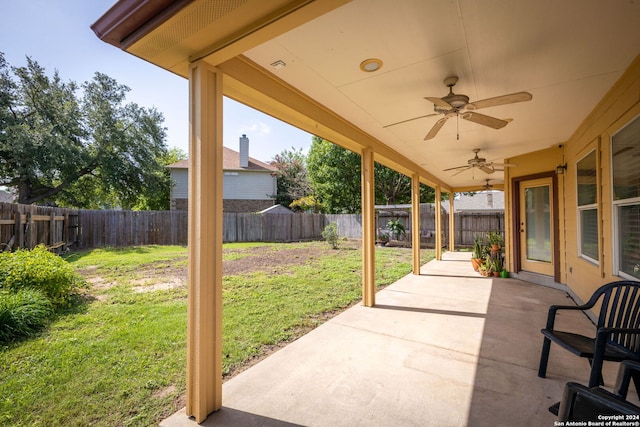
x,y
42,270
22,313
330,234
396,228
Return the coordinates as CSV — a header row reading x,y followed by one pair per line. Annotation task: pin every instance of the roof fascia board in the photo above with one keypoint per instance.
x,y
129,20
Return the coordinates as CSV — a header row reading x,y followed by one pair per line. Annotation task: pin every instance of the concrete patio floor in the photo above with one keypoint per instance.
x,y
446,348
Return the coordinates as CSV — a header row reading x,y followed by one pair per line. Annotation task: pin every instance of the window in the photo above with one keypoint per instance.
x,y
588,207
625,158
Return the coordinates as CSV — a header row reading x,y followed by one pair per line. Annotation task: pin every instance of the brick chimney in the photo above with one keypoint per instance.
x,y
244,151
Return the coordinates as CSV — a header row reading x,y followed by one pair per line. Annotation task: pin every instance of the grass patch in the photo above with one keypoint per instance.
x,y
126,259
121,358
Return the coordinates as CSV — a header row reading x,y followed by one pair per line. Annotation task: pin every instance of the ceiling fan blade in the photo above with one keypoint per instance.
x,y
481,119
439,102
462,170
457,167
500,100
436,128
506,165
410,120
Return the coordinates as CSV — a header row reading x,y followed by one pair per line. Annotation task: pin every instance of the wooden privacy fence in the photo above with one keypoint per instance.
x,y
132,228
128,228
467,225
251,227
25,226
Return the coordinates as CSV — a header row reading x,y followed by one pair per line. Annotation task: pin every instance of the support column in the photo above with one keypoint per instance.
x,y
452,223
438,239
204,323
368,230
415,222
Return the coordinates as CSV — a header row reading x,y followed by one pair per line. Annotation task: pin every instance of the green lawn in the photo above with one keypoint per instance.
x,y
118,359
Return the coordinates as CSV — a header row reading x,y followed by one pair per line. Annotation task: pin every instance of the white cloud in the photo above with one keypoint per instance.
x,y
257,128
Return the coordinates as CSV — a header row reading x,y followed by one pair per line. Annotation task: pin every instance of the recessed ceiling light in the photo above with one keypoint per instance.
x,y
371,65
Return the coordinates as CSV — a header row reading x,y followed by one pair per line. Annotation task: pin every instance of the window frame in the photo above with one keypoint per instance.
x,y
615,210
588,207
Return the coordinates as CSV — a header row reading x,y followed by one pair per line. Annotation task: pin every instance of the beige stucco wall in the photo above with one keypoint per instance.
x,y
617,108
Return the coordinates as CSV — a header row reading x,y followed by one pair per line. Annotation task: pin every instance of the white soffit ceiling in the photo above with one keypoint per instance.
x,y
567,53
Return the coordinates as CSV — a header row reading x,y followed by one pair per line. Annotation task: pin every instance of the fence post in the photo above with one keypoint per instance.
x,y
19,230
52,229
65,229
31,235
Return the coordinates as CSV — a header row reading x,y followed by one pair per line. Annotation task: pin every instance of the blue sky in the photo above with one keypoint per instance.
x,y
57,34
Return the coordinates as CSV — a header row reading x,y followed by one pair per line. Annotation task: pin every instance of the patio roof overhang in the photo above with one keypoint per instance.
x,y
567,54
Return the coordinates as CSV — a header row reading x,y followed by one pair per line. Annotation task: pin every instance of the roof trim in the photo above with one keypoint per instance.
x,y
128,21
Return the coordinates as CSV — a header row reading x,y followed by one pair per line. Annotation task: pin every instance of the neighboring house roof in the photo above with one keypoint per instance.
x,y
277,209
482,201
231,161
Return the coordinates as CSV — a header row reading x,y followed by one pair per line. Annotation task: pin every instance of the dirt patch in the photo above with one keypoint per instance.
x,y
151,284
266,259
269,260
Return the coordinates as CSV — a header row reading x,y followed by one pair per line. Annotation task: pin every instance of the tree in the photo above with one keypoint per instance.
x,y
334,173
291,171
307,204
92,150
392,188
335,176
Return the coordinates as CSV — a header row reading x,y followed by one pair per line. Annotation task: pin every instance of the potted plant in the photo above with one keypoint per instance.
x,y
483,269
486,266
496,265
476,252
495,240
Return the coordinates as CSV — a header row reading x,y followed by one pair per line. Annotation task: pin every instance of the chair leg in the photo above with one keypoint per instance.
x,y
636,382
596,381
544,357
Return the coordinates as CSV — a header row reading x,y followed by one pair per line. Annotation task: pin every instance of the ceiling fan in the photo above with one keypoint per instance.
x,y
454,105
480,163
487,186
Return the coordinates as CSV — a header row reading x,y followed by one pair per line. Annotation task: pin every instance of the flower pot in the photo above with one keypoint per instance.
x,y
496,274
504,274
475,262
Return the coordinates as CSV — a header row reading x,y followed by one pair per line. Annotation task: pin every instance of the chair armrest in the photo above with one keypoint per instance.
x,y
627,368
602,337
551,316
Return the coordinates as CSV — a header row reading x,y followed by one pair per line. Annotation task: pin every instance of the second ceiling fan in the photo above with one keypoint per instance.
x,y
454,105
481,163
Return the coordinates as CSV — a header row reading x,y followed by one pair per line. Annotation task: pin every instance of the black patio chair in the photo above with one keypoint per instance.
x,y
580,403
616,335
